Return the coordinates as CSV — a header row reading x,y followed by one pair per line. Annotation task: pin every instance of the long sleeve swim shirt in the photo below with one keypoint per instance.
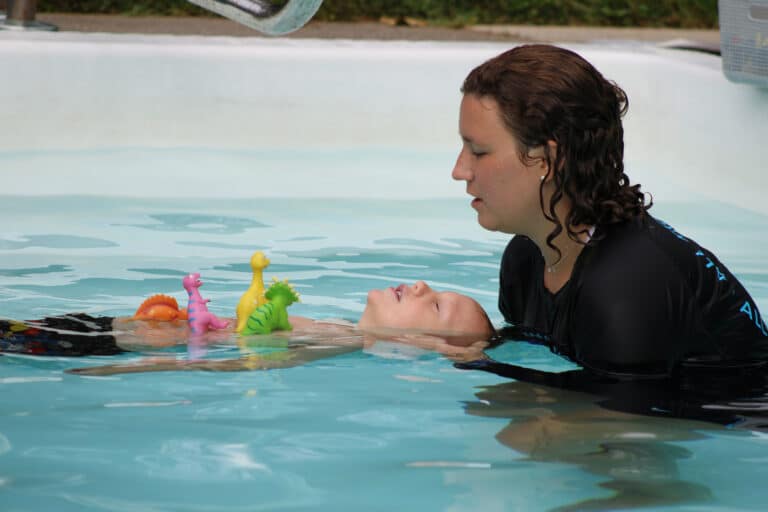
x,y
643,301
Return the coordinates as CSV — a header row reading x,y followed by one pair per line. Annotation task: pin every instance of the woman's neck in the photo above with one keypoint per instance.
x,y
560,261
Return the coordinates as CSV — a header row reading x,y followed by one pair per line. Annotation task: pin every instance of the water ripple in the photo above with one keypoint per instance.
x,y
197,223
24,272
28,380
55,242
193,459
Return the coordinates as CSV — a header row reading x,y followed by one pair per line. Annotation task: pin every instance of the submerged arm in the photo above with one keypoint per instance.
x,y
138,335
292,357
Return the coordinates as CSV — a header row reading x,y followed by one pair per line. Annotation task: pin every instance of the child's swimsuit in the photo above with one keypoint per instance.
x,y
67,335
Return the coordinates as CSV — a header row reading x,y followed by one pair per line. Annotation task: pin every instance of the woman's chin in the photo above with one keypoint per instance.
x,y
486,223
492,223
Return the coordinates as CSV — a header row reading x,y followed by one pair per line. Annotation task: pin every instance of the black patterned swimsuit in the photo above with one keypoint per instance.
x,y
67,335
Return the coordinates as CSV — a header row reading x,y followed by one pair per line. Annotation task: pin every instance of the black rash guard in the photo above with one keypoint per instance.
x,y
643,301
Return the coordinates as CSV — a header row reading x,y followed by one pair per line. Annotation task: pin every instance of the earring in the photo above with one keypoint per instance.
x,y
543,177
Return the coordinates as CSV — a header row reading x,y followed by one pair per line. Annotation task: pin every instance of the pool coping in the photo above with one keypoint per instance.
x,y
371,30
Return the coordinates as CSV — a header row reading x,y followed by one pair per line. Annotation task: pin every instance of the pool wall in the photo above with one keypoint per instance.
x,y
193,114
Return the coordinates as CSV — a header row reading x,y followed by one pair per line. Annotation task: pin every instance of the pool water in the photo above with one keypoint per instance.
x,y
155,156
379,430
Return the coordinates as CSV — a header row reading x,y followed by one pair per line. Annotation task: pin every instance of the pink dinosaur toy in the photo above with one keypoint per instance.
x,y
198,316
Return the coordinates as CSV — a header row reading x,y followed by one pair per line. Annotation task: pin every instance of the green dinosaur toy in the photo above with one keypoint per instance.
x,y
272,316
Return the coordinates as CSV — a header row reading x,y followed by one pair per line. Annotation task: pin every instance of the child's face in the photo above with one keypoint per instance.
x,y
419,307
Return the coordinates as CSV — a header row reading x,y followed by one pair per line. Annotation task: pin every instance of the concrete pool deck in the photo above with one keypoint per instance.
x,y
235,103
217,26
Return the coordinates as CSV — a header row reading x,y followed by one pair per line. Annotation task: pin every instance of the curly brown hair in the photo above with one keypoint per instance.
x,y
546,93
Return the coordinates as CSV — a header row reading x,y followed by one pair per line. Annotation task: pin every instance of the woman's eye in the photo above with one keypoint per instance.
x,y
478,154
437,307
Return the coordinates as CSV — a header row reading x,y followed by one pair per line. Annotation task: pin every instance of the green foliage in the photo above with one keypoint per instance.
x,y
667,13
670,13
131,7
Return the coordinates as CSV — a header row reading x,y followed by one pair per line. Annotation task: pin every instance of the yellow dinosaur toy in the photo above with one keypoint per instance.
x,y
254,295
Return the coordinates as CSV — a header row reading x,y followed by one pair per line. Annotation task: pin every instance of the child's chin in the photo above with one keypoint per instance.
x,y
365,320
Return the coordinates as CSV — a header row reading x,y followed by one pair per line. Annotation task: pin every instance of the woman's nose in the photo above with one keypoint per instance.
x,y
420,288
461,171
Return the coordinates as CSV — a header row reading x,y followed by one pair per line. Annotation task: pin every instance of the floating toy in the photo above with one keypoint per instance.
x,y
160,307
272,316
254,296
199,318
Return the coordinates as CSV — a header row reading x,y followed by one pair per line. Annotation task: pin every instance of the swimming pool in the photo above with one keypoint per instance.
x,y
130,162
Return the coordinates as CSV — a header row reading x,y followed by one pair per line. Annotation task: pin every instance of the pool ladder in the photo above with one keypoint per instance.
x,y
262,16
20,15
259,15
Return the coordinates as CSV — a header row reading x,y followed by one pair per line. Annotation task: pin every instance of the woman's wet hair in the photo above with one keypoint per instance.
x,y
546,93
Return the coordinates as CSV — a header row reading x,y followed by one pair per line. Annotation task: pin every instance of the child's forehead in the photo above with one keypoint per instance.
x,y
462,306
459,298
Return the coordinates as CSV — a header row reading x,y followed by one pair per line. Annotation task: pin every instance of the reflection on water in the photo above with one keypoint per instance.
x,y
635,435
635,455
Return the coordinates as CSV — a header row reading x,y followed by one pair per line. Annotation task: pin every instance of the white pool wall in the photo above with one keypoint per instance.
x,y
689,133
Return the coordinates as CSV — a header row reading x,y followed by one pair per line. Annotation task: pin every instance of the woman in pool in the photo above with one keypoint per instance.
x,y
446,322
590,272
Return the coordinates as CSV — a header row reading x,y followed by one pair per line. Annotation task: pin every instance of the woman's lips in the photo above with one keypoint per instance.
x,y
476,202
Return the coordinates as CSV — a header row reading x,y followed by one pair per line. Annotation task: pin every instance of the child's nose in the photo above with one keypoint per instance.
x,y
420,288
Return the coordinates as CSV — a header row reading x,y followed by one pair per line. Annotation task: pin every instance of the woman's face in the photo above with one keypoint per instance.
x,y
420,308
504,188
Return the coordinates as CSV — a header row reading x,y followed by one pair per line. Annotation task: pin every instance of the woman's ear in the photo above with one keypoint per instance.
x,y
552,149
548,155
536,158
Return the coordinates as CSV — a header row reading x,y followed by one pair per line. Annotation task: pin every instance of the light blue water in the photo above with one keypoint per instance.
x,y
357,432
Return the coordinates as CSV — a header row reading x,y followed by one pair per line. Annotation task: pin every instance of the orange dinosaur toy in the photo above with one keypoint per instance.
x,y
160,307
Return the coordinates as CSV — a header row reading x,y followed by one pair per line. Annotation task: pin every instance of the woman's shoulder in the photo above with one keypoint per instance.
x,y
630,275
637,246
651,247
